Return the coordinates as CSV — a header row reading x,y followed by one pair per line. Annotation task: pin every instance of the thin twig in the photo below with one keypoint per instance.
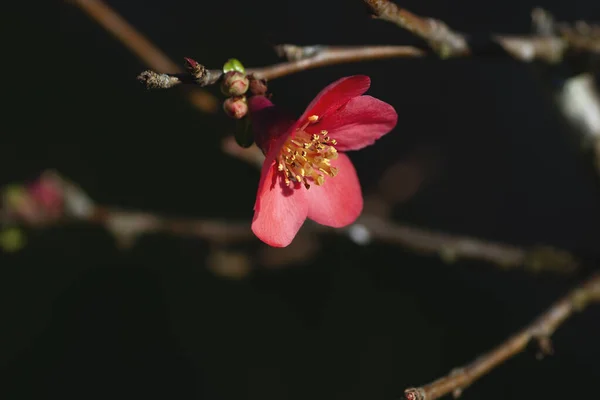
x,y
450,43
540,330
330,55
451,247
321,56
139,45
436,33
440,37
21,206
576,96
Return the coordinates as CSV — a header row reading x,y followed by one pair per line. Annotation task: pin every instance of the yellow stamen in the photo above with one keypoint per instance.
x,y
306,158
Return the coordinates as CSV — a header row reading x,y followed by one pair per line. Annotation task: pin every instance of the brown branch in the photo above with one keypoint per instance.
x,y
321,56
450,247
329,55
540,330
27,207
550,48
577,99
435,32
139,45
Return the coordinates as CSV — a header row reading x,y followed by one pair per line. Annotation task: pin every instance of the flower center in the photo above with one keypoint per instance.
x,y
307,157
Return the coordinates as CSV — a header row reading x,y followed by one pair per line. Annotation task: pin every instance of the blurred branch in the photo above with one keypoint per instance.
x,y
447,42
138,44
576,95
579,102
54,200
540,331
452,247
576,45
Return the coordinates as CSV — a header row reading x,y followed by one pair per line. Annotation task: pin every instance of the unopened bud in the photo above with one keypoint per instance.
x,y
236,107
199,73
233,64
234,83
258,87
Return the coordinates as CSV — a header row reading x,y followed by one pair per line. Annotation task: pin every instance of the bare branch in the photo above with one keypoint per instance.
x,y
577,97
446,42
540,330
28,206
139,45
550,45
326,56
436,33
443,40
302,59
454,247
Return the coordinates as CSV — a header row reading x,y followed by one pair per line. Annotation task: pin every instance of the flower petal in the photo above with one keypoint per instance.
x,y
279,211
336,95
269,122
359,123
338,202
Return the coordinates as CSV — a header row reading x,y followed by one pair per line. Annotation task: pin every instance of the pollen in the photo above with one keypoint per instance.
x,y
306,157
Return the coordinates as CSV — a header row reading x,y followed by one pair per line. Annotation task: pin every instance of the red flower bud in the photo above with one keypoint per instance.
x,y
236,107
234,83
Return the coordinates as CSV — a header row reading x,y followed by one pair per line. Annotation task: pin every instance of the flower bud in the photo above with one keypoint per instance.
x,y
234,83
233,64
258,86
236,107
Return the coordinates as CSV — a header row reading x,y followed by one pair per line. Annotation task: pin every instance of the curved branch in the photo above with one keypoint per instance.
x,y
540,330
143,48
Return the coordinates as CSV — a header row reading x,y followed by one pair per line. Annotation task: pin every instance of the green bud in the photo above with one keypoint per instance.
x,y
243,133
233,64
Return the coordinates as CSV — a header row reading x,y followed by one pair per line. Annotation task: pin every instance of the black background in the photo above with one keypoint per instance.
x,y
83,319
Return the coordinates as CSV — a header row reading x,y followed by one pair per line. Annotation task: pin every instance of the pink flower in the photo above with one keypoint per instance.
x,y
305,173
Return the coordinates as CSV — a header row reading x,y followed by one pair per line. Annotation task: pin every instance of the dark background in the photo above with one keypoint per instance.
x,y
82,319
